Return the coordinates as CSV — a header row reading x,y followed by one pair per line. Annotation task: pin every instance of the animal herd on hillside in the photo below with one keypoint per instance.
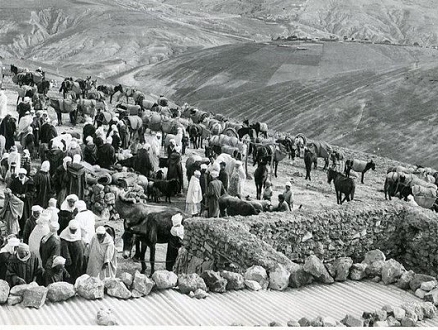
x,y
217,134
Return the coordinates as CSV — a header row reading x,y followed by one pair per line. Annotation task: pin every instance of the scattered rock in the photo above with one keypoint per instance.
x,y
380,324
399,313
429,310
304,322
235,281
298,277
405,279
381,315
392,322
313,265
391,271
141,285
127,279
376,279
4,291
293,324
357,272
328,321
352,321
253,285
341,268
258,274
199,294
279,278
214,281
374,269
340,325
35,297
275,324
190,282
106,317
413,311
90,288
408,322
164,279
420,293
60,291
116,288
317,322
388,309
373,256
14,300
428,286
418,279
19,290
432,296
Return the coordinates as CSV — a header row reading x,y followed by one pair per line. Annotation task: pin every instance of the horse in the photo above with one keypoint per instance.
x,y
39,101
69,85
260,176
115,89
392,184
322,150
265,153
135,125
43,87
86,85
289,144
258,127
195,134
309,159
16,69
23,78
26,91
337,158
360,166
343,185
151,224
64,106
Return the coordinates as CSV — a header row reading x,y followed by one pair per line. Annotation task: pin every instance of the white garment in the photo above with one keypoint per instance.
x,y
54,213
35,237
24,123
3,105
87,222
15,157
194,196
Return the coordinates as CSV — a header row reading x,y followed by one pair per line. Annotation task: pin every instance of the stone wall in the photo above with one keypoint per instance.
x,y
403,233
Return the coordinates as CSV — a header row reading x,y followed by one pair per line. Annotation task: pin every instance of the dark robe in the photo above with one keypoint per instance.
x,y
124,136
214,191
142,162
25,270
175,170
77,180
47,133
172,251
29,144
64,218
43,189
88,130
48,249
8,126
52,276
61,183
223,177
26,193
106,156
25,163
4,262
90,151
203,181
22,108
116,142
36,125
55,158
73,252
28,227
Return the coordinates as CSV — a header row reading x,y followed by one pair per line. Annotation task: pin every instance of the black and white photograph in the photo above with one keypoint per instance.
x,y
218,163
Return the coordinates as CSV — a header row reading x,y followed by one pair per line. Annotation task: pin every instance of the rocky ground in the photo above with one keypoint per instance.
x,y
315,194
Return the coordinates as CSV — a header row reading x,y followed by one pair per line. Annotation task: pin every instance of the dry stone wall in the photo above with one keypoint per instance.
x,y
404,233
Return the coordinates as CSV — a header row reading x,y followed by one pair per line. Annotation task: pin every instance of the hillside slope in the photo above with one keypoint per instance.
x,y
373,98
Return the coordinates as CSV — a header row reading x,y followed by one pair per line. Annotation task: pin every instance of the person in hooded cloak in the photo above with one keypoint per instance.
x,y
6,253
175,170
22,187
31,222
12,212
102,260
68,211
88,130
61,180
23,267
106,155
90,151
55,156
73,249
43,185
194,195
50,246
41,229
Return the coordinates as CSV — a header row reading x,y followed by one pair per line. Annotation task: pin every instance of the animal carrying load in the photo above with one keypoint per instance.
x,y
155,122
424,196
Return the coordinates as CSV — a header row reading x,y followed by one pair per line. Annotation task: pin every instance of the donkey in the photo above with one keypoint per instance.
x,y
343,185
360,166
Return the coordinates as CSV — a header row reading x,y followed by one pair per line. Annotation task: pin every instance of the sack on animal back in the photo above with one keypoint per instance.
x,y
69,106
155,122
423,191
37,77
214,140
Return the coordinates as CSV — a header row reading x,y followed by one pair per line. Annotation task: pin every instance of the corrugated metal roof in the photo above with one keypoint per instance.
x,y
170,308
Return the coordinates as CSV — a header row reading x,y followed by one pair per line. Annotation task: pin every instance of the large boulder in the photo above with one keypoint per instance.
x,y
428,286
4,291
279,278
19,290
141,285
127,279
253,285
258,274
298,277
90,288
116,288
413,310
391,271
352,321
14,300
313,265
164,279
373,256
35,297
214,281
235,281
405,279
429,310
415,283
432,296
357,271
106,317
341,268
60,291
190,282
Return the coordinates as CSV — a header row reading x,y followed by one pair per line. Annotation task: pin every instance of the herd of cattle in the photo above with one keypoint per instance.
x,y
221,137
